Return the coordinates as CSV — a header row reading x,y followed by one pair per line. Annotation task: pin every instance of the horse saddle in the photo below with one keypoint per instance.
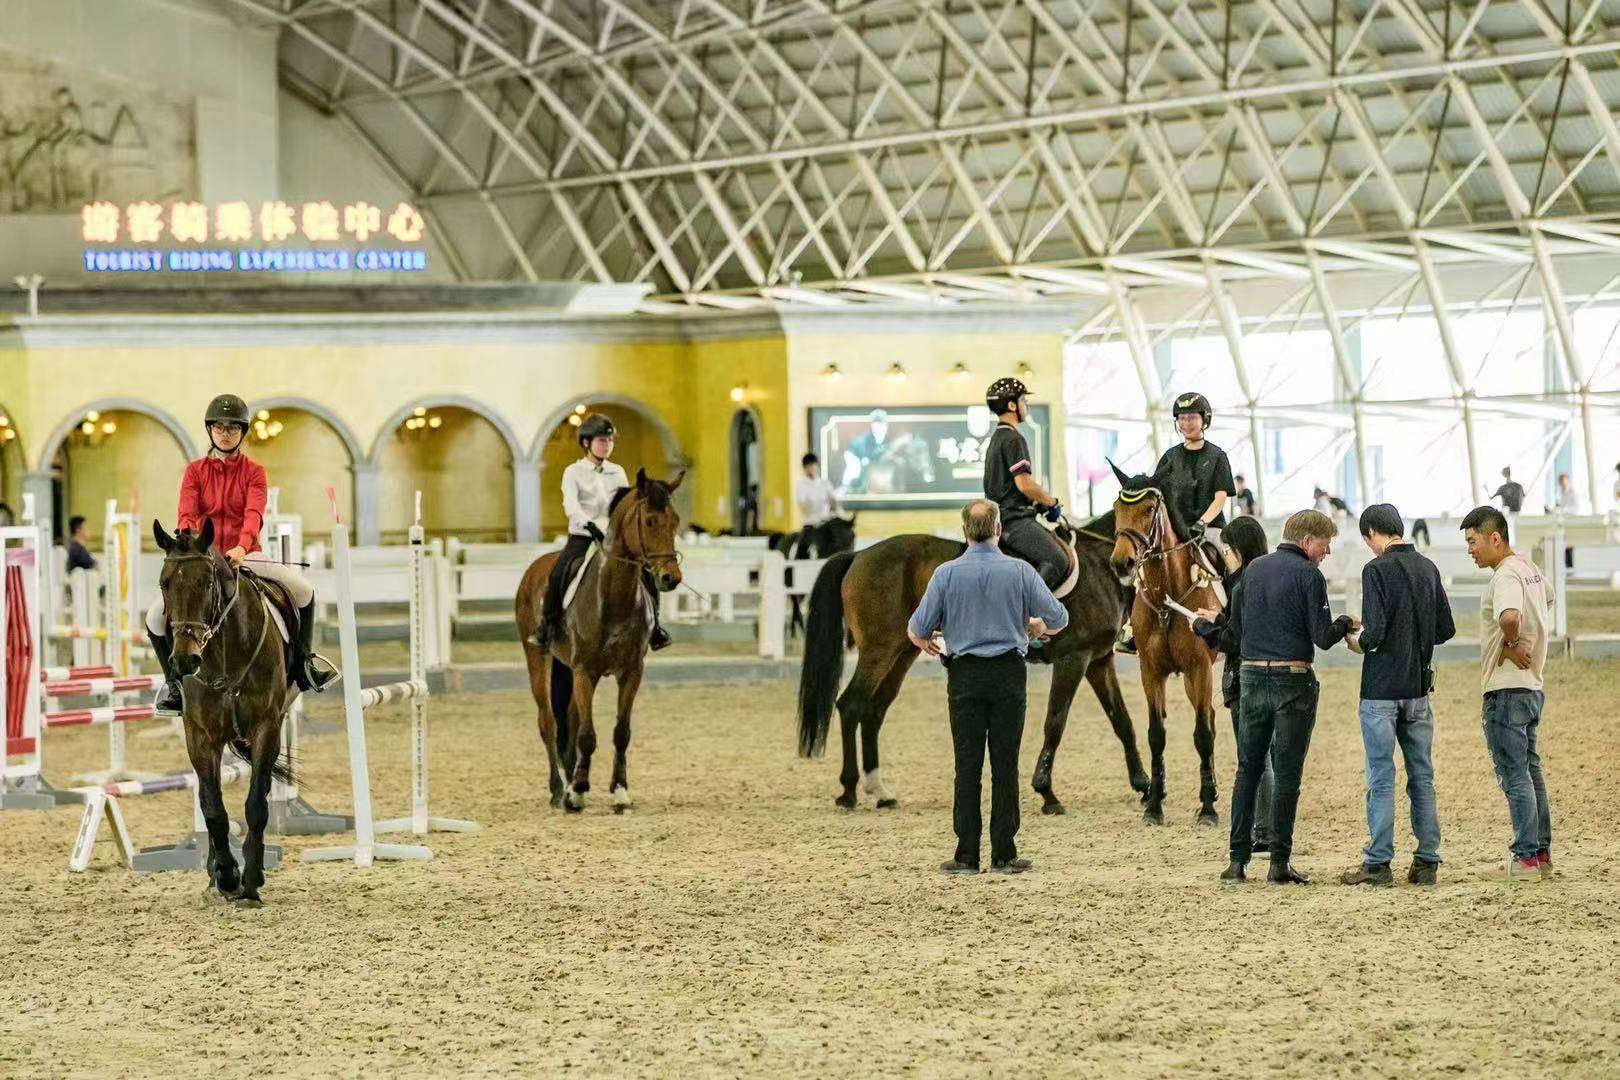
x,y
576,574
278,602
1207,562
1064,535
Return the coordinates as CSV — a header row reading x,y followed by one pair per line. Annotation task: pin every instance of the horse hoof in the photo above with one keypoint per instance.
x,y
1208,818
888,804
1054,809
845,802
248,902
574,802
1139,783
1153,817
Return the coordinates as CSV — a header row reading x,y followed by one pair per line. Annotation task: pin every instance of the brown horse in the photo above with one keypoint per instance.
x,y
1146,544
233,670
604,632
873,592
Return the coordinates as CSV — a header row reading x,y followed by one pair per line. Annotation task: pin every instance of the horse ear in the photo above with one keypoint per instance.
x,y
1119,474
164,540
207,534
675,483
641,479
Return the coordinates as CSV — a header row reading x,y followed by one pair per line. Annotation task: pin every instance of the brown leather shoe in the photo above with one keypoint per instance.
x,y
1368,875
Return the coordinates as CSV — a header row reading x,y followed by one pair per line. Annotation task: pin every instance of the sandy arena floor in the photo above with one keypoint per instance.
x,y
737,923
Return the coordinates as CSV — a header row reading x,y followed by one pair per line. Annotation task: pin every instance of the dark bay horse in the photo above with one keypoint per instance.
x,y
868,596
832,537
1148,546
233,669
604,632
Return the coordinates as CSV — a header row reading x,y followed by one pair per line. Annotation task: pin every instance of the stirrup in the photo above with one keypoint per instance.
x,y
318,673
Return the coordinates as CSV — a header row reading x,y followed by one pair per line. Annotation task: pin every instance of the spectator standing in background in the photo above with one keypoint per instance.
x,y
1511,494
78,555
1243,500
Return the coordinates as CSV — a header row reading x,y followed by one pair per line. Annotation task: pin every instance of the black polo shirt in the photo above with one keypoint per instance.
x,y
1005,459
1190,479
1284,614
1404,614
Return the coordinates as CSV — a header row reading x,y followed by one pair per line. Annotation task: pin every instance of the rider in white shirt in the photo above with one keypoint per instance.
x,y
588,487
816,497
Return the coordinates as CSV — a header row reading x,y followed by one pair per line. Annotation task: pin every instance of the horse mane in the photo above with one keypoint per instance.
x,y
656,492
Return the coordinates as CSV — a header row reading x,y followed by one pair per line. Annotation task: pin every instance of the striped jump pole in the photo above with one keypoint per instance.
x,y
96,717
99,687
87,671
104,803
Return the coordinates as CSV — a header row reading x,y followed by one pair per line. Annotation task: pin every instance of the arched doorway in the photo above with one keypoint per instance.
x,y
12,467
305,449
460,460
124,451
747,472
645,441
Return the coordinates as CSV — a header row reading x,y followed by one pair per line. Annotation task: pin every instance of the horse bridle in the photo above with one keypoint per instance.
x,y
646,558
203,632
1145,547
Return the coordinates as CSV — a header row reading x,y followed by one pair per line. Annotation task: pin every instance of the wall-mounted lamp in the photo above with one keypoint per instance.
x,y
739,393
960,371
831,372
896,372
9,432
574,419
1025,371
420,419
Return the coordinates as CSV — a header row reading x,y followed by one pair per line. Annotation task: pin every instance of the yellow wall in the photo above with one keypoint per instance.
x,y
301,461
928,359
463,470
365,377
139,465
759,365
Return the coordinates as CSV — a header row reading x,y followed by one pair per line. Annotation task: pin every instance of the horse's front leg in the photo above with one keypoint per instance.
x,y
205,754
1153,687
629,683
1198,682
266,748
584,740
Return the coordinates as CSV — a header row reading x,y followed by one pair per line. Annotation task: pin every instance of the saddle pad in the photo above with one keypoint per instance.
x,y
1074,568
281,623
578,575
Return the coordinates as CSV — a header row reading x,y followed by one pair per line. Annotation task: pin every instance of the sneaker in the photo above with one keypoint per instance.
x,y
1521,869
1422,872
1366,874
954,867
1545,859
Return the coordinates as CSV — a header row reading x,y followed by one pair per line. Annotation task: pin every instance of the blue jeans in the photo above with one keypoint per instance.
x,y
1409,724
1512,722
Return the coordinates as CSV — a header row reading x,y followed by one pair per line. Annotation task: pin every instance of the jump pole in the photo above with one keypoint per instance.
x,y
365,849
290,813
22,786
420,823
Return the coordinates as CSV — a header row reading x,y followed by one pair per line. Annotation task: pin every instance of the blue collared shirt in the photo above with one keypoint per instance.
x,y
982,602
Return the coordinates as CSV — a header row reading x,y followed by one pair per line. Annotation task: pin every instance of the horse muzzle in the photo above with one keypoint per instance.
x,y
668,582
186,663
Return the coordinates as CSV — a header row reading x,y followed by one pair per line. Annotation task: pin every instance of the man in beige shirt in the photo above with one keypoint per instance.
x,y
1513,652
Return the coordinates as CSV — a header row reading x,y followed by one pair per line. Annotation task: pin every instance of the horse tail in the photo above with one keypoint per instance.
x,y
823,669
562,693
282,769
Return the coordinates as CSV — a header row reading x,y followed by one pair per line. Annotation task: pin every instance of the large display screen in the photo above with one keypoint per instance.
x,y
913,457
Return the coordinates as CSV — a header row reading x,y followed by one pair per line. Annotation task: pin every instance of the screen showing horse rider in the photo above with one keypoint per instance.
x,y
913,456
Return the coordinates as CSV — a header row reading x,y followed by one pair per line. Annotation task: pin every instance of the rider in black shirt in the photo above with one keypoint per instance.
x,y
1010,483
1196,480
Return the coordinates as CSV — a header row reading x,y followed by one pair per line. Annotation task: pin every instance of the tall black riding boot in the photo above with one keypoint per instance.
x,y
169,698
659,638
309,673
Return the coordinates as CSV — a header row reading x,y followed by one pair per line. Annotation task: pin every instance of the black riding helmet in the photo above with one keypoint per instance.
x,y
1003,393
595,426
226,409
1192,403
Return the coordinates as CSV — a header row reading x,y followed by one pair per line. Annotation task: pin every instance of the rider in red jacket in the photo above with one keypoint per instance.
x,y
227,487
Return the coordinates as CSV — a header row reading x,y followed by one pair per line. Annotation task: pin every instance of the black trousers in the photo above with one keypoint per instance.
x,y
987,709
1026,538
1277,712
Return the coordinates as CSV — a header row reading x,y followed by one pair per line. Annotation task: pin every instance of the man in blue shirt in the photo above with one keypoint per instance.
x,y
986,605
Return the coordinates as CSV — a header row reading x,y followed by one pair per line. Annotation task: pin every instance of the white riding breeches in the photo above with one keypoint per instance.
x,y
292,577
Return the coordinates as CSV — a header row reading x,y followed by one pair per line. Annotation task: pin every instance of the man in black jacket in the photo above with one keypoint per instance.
x,y
1405,614
1283,618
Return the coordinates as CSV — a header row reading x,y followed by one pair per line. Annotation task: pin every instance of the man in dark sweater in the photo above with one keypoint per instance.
x,y
1405,614
1284,617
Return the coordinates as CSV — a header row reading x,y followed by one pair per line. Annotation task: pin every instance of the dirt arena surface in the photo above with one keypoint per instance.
x,y
738,924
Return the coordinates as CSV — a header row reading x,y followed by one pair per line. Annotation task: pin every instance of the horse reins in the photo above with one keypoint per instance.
x,y
203,633
1146,548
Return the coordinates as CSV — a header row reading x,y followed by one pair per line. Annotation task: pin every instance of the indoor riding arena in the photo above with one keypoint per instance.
x,y
809,538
